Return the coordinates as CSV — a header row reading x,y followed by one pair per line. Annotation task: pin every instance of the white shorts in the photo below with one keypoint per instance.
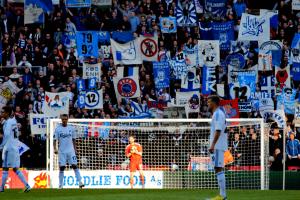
x,y
10,158
217,158
64,158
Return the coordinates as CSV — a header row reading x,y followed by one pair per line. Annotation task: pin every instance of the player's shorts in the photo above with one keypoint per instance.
x,y
67,158
217,158
11,158
135,165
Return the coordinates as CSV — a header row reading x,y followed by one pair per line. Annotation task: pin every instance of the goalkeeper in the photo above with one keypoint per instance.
x,y
134,151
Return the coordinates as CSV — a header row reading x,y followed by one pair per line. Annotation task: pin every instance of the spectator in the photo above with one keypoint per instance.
x,y
293,151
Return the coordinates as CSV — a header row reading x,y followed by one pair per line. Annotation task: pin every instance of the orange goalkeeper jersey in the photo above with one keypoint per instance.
x,y
134,157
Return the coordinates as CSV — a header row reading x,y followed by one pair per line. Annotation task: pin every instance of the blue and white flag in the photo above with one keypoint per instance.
x,y
199,6
122,37
69,40
190,82
91,71
267,86
269,54
80,85
276,116
102,2
287,100
209,52
295,46
254,28
191,55
186,13
87,43
34,11
209,80
104,44
216,7
22,147
224,32
168,24
78,3
103,37
90,99
247,84
128,53
139,111
126,83
273,17
296,71
161,72
178,68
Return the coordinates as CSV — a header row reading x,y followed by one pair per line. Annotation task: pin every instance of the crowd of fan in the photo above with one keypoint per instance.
x,y
36,60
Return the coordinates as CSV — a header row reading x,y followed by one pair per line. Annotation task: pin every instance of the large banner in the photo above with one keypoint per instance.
x,y
102,2
191,55
269,54
38,123
254,28
161,72
56,104
34,11
216,7
182,8
231,108
190,82
7,90
91,71
106,179
87,43
282,78
224,32
178,68
168,24
78,3
275,116
209,52
92,99
209,80
149,48
267,85
128,53
296,71
127,86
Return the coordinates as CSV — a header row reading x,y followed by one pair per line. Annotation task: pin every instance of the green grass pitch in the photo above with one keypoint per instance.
x,y
91,194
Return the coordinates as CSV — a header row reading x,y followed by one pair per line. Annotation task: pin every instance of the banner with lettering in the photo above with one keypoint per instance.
x,y
224,32
38,123
274,116
182,8
178,68
149,48
127,86
247,85
245,107
209,52
216,7
231,108
7,90
78,3
267,85
56,104
90,99
295,4
254,28
87,43
168,24
91,71
161,72
282,78
208,80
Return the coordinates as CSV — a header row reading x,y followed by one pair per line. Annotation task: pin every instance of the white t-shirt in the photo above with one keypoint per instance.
x,y
65,136
10,136
219,123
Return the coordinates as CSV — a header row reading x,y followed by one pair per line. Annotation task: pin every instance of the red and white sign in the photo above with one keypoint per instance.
x,y
149,48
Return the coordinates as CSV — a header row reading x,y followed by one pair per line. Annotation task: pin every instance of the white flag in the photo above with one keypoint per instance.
x,y
254,28
209,52
149,48
91,70
56,104
128,53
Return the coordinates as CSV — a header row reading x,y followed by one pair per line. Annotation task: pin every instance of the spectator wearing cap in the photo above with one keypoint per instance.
x,y
293,150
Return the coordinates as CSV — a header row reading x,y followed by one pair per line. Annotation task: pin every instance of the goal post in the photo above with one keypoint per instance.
x,y
175,153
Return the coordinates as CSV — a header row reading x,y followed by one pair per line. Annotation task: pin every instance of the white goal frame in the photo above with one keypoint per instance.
x,y
264,180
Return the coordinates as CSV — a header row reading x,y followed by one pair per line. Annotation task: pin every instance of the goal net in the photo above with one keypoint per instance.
x,y
175,153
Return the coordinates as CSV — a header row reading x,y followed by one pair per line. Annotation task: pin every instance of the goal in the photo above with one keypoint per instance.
x,y
175,153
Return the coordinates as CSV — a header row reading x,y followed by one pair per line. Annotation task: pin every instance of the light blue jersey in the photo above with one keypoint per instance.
x,y
65,136
219,123
10,135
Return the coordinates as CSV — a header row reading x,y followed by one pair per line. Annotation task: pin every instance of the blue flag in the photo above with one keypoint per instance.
x,y
161,72
78,3
247,84
224,32
208,80
103,37
168,24
122,37
80,85
34,11
296,71
87,43
216,7
186,13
